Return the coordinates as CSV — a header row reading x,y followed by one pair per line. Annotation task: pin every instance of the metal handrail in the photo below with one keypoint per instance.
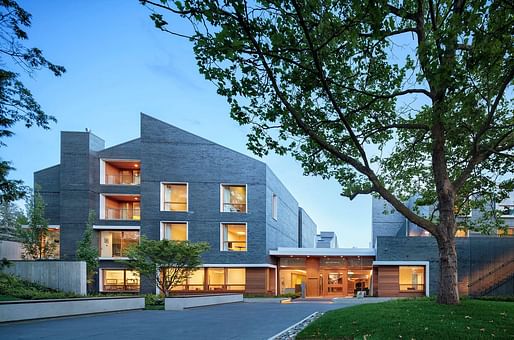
x,y
123,179
234,207
123,214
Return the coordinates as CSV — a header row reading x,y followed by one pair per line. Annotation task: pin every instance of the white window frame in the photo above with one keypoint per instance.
x,y
222,242
274,206
162,184
101,277
499,206
102,167
101,229
161,229
221,197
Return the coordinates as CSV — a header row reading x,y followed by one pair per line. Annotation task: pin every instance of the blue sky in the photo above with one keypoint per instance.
x,y
119,65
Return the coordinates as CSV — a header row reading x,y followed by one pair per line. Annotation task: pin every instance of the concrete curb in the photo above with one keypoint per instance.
x,y
276,336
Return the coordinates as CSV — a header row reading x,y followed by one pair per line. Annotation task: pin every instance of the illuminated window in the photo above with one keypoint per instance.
x,y
233,198
274,206
174,197
116,243
233,237
236,278
461,232
506,210
176,231
120,280
506,232
412,278
216,278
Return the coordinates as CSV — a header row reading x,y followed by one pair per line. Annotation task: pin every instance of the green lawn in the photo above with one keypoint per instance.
x,y
416,319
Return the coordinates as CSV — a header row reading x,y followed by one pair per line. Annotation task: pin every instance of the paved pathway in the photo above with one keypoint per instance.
x,y
232,321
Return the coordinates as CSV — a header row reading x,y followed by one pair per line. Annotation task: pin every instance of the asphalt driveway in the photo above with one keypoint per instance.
x,y
231,321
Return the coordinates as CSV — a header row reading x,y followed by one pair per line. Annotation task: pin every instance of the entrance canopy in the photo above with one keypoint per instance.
x,y
283,251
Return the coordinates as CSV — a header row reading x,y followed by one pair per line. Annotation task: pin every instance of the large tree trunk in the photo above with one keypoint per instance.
x,y
448,284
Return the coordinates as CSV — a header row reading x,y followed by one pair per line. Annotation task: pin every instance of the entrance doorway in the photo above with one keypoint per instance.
x,y
334,282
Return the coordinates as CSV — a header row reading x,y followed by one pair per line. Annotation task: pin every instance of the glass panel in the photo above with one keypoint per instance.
x,y
412,278
175,231
507,210
234,237
236,278
216,278
274,206
175,197
116,243
332,261
234,198
120,280
291,280
53,239
292,262
195,281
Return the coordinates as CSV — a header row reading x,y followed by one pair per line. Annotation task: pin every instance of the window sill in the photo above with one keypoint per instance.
x,y
103,258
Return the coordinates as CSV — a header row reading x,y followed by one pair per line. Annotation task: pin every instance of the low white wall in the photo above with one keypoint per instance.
x,y
10,250
29,310
181,302
66,276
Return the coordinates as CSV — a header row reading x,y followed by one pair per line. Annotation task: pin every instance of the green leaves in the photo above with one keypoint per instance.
x,y
167,263
353,90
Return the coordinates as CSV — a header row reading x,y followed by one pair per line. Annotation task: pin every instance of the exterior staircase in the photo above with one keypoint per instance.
x,y
493,279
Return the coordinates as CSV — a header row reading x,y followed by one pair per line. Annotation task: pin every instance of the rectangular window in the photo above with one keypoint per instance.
x,y
120,280
236,278
216,278
233,237
506,210
233,198
274,206
115,243
412,279
174,197
176,231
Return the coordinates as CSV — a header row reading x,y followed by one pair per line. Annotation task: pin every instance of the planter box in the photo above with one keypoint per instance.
x,y
189,301
40,309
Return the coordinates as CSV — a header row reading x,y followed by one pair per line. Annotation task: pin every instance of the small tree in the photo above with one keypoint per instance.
x,y
87,252
34,238
11,216
166,262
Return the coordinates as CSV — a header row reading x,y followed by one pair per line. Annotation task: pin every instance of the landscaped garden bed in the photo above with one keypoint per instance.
x,y
416,319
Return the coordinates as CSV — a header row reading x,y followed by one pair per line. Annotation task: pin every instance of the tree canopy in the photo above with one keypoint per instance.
x,y
16,101
394,98
165,262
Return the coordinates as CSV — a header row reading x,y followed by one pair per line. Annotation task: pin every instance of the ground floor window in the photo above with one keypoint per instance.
x,y
215,279
412,278
291,280
120,280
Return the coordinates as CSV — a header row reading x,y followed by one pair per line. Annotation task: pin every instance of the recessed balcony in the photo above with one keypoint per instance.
x,y
120,172
120,207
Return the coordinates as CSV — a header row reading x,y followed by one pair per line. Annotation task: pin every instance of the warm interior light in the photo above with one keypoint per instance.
x,y
136,165
136,198
240,232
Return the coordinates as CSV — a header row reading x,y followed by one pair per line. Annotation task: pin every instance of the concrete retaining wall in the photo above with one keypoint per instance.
x,y
66,276
40,309
10,250
181,302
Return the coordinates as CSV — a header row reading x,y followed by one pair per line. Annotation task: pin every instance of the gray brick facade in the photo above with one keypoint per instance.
x,y
169,154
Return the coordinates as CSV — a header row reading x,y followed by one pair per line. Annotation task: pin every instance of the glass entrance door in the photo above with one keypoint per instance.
x,y
334,282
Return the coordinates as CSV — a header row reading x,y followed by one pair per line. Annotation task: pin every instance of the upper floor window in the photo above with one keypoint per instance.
x,y
174,197
120,172
116,243
233,237
506,210
233,198
176,231
274,206
120,207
